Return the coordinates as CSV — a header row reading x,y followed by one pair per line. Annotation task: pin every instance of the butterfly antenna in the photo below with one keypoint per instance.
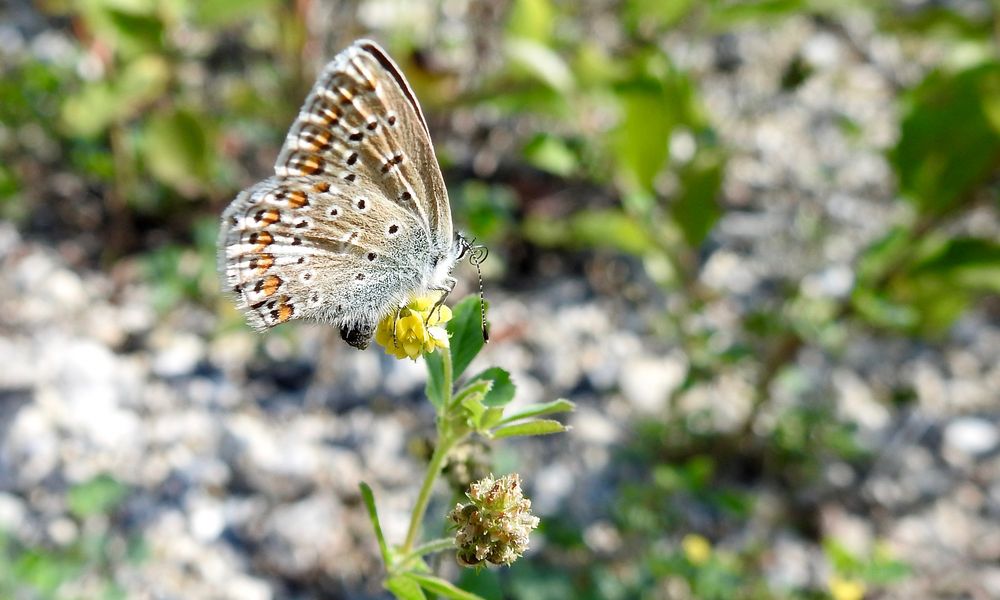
x,y
478,254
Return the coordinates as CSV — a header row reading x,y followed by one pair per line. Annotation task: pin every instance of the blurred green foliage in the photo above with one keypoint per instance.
x,y
82,567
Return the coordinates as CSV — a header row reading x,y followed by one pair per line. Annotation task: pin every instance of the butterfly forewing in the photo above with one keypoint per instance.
x,y
361,121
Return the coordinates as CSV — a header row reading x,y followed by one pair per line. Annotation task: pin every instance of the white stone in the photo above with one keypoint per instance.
x,y
973,436
648,382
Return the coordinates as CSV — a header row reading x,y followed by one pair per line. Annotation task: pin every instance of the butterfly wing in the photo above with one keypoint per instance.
x,y
362,121
356,219
303,247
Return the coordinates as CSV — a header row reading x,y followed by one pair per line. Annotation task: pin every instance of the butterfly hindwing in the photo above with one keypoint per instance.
x,y
301,247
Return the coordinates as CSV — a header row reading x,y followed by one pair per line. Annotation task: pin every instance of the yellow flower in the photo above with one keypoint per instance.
x,y
846,589
415,329
697,550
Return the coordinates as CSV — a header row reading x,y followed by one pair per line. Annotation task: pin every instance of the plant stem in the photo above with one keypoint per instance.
x,y
430,547
433,468
445,442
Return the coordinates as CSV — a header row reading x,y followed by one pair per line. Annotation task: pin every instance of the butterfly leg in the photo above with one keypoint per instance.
x,y
395,321
446,289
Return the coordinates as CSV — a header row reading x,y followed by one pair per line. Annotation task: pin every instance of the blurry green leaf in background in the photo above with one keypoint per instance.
x,y
99,104
950,137
97,496
178,148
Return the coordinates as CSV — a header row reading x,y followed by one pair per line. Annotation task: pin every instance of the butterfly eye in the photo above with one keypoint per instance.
x,y
361,204
393,230
371,256
335,211
391,119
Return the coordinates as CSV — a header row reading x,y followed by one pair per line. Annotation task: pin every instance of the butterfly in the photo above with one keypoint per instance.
x,y
356,218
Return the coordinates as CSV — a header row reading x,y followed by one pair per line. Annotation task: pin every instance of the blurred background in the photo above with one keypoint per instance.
x,y
756,242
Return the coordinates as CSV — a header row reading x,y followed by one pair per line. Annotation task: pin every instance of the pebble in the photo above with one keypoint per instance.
x,y
971,436
648,382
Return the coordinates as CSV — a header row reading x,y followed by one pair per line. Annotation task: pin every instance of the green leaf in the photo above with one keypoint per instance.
x,y
97,496
728,14
551,154
92,110
893,247
475,391
178,148
539,62
466,332
537,427
471,399
369,499
649,15
405,588
970,263
441,587
137,32
923,285
502,389
224,12
490,418
654,98
435,388
537,410
531,19
696,208
485,582
610,229
641,143
948,143
44,571
487,210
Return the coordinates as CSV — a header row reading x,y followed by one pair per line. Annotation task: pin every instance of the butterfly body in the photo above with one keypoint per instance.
x,y
356,219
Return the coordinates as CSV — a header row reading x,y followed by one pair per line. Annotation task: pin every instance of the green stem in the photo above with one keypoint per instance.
x,y
446,404
433,468
445,443
431,547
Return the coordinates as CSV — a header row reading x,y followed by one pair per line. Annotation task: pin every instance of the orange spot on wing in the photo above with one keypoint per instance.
x,y
269,285
285,312
261,240
309,165
262,262
298,199
267,216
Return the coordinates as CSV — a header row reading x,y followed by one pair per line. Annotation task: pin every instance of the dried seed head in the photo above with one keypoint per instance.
x,y
495,525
